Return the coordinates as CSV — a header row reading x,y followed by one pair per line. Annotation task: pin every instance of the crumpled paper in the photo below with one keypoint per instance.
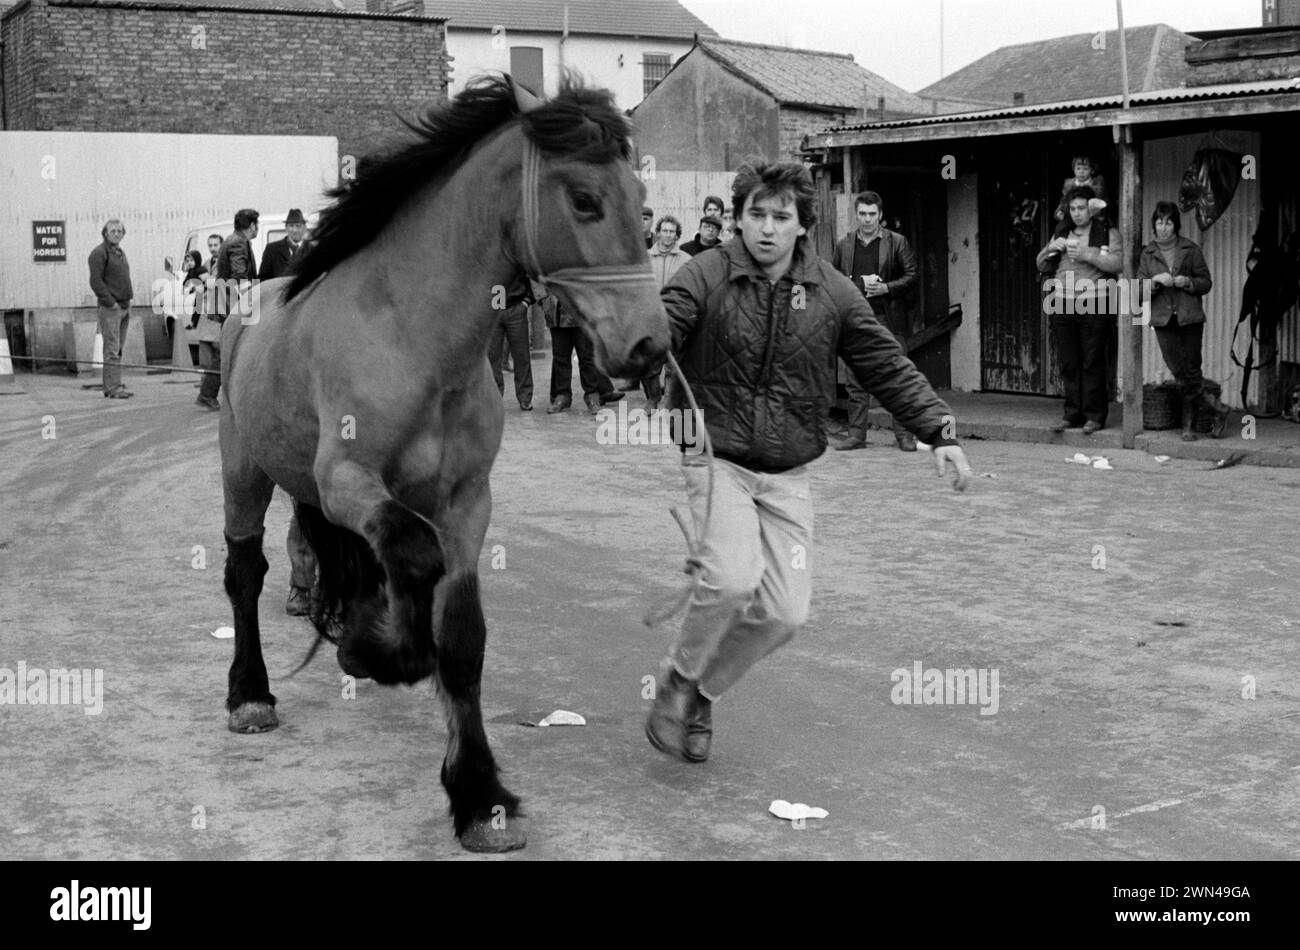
x,y
1095,461
783,809
562,717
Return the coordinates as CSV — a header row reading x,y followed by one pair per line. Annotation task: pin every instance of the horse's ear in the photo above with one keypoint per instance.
x,y
524,100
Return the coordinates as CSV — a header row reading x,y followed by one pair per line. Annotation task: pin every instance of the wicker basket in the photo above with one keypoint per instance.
x,y
1162,406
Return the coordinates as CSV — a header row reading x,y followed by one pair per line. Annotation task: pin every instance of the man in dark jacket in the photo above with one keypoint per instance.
x,y
707,238
236,263
757,325
110,280
882,266
280,254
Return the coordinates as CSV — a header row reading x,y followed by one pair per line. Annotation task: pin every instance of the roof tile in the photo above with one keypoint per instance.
x,y
809,77
651,18
1070,67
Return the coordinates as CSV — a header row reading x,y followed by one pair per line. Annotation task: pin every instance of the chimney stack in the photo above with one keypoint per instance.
x,y
1280,12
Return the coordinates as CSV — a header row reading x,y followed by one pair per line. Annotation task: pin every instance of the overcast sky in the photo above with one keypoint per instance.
x,y
899,39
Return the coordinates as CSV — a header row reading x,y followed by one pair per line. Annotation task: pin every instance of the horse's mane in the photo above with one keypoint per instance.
x,y
580,123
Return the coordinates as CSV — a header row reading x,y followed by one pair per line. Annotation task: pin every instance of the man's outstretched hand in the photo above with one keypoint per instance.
x,y
945,454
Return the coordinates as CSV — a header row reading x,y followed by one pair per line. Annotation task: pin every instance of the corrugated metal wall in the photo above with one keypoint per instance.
x,y
161,186
682,194
1225,245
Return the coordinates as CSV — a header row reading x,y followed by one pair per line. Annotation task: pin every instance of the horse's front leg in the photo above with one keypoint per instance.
x,y
396,646
485,814
247,496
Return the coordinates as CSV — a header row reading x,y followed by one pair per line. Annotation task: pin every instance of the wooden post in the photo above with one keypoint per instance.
x,y
1130,325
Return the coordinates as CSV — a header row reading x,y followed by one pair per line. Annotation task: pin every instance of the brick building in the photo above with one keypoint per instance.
x,y
301,67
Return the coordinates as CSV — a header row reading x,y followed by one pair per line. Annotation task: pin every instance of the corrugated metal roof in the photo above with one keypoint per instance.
x,y
657,18
1182,94
808,77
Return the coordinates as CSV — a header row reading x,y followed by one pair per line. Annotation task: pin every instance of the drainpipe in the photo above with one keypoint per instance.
x,y
564,35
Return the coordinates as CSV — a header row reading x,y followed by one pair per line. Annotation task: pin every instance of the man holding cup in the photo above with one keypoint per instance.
x,y
1079,264
882,264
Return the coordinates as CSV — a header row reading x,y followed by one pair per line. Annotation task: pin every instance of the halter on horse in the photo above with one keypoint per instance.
x,y
362,389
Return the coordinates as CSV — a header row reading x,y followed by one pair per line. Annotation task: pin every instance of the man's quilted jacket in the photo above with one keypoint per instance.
x,y
760,356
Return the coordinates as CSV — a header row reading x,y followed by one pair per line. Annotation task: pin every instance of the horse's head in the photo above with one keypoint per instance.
x,y
579,225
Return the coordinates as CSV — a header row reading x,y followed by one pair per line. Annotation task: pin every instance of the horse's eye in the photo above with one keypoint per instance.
x,y
585,203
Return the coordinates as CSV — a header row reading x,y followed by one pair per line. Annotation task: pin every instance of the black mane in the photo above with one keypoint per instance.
x,y
580,123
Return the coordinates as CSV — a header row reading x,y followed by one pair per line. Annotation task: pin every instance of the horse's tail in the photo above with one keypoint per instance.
x,y
350,580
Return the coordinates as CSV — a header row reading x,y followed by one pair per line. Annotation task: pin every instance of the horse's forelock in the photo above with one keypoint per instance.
x,y
580,123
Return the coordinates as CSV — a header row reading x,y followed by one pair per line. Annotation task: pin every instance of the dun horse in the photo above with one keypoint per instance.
x,y
360,385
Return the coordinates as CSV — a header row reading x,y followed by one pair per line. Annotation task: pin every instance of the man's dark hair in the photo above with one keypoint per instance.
x,y
1079,191
668,218
1167,209
789,180
245,218
713,200
869,198
211,236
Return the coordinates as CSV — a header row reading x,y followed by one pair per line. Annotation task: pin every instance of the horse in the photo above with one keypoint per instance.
x,y
360,385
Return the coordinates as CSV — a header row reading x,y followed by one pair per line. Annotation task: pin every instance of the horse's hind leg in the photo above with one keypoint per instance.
x,y
483,812
247,494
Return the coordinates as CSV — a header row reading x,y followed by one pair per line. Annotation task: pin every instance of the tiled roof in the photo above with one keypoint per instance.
x,y
1069,67
808,77
657,18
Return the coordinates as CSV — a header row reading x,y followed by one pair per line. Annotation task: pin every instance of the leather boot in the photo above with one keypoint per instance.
x,y
1220,410
857,434
1189,417
593,402
674,716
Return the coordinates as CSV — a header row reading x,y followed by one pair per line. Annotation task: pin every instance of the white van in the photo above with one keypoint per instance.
x,y
270,227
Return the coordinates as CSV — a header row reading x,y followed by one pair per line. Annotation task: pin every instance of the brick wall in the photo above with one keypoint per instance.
x,y
220,71
796,123
21,53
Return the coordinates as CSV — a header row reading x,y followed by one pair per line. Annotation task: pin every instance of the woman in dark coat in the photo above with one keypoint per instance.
x,y
194,271
1179,279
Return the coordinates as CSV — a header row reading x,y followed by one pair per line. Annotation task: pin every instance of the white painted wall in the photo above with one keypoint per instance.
x,y
964,279
160,185
596,58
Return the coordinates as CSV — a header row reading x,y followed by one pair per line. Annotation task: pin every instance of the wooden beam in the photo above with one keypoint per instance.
x,y
1137,114
930,334
1130,336
1241,47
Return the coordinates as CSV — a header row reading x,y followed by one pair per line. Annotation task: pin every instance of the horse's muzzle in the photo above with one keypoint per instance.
x,y
644,357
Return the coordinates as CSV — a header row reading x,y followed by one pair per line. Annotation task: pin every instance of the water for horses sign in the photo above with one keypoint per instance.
x,y
49,242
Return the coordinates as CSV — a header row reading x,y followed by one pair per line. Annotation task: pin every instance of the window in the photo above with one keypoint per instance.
x,y
656,66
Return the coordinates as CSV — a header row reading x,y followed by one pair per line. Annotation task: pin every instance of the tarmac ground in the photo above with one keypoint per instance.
x,y
1141,622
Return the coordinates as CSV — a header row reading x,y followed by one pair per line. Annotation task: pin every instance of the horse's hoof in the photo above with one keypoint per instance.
x,y
253,717
350,664
485,837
